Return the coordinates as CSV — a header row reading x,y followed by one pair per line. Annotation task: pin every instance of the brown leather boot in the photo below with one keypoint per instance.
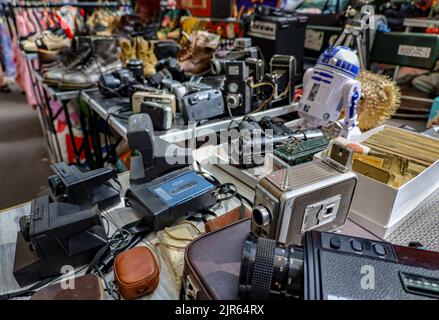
x,y
199,62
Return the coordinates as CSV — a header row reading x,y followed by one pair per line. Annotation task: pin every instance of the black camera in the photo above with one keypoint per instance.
x,y
160,114
281,78
120,82
238,91
331,266
56,234
86,189
116,83
243,50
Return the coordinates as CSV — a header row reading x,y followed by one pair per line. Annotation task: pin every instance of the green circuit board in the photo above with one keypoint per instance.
x,y
297,151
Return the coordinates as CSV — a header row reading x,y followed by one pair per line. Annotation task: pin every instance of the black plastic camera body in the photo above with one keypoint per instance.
x,y
53,236
331,266
85,189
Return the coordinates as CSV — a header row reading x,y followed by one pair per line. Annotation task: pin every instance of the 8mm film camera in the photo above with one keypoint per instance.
x,y
313,195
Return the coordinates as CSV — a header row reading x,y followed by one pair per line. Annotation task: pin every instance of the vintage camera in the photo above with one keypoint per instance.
x,y
56,234
331,266
86,189
158,97
281,76
203,105
243,50
312,195
175,87
164,190
119,82
237,88
161,115
116,83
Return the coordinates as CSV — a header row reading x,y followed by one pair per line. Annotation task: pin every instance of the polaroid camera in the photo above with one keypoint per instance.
x,y
156,157
56,234
85,189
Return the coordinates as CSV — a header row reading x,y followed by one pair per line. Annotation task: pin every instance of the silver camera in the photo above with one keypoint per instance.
x,y
159,97
161,115
314,195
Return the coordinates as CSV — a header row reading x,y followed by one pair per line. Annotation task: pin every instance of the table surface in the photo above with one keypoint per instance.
x,y
179,131
118,216
167,289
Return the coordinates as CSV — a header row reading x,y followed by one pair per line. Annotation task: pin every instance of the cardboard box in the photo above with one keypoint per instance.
x,y
380,208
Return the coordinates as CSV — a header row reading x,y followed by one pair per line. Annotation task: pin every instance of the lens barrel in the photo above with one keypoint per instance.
x,y
270,270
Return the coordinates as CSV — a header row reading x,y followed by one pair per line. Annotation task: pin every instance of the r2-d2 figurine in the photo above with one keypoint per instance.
x,y
330,88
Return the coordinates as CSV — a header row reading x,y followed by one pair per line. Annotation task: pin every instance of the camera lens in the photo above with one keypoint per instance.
x,y
136,68
262,216
233,101
270,270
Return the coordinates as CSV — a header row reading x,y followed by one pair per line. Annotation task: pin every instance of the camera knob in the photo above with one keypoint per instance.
x,y
262,216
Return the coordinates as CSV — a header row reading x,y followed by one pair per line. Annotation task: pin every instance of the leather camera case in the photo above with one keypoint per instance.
x,y
136,272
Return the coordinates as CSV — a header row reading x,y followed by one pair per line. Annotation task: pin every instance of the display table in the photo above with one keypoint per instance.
x,y
420,227
117,216
179,132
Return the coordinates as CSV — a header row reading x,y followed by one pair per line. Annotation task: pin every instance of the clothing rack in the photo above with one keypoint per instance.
x,y
41,92
85,4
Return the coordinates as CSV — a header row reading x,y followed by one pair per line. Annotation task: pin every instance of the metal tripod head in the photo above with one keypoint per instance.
x,y
356,33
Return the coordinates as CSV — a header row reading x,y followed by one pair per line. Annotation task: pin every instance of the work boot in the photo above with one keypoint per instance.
x,y
127,51
69,59
199,62
197,53
103,59
145,53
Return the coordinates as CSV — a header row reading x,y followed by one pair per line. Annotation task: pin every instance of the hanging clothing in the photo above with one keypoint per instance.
x,y
6,52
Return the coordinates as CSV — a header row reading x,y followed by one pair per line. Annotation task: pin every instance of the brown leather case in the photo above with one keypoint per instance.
x,y
136,272
86,287
226,219
213,261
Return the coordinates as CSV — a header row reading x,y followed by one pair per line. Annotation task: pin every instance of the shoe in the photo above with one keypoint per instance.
x,y
145,53
197,52
51,42
185,52
69,59
5,89
104,58
199,62
29,44
128,51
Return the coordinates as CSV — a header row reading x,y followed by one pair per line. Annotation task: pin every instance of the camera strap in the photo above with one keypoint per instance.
x,y
102,260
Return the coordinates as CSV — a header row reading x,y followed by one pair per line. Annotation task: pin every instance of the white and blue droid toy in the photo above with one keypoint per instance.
x,y
330,88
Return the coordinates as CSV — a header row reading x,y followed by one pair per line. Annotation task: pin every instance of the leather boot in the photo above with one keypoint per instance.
x,y
69,59
145,52
103,59
199,62
127,51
